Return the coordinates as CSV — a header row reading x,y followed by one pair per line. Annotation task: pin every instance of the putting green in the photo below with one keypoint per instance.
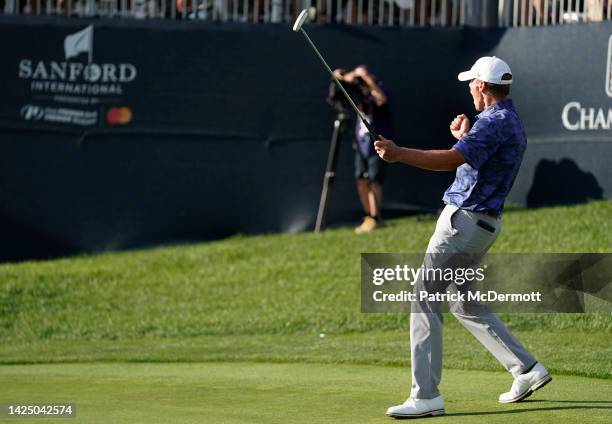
x,y
285,393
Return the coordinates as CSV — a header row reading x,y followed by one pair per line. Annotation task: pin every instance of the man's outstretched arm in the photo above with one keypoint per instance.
x,y
433,160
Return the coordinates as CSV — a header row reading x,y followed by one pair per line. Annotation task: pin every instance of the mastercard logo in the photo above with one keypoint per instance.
x,y
119,115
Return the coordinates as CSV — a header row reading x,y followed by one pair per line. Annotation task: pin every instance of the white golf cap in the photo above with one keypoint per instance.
x,y
488,69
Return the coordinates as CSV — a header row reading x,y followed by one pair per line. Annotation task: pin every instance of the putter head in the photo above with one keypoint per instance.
x,y
300,20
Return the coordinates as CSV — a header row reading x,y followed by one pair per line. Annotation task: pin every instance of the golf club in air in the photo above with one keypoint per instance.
x,y
297,26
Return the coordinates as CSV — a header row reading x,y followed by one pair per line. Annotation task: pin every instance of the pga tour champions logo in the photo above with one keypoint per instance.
x,y
577,117
609,69
78,75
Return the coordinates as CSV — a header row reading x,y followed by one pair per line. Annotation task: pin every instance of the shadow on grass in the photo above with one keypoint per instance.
x,y
548,408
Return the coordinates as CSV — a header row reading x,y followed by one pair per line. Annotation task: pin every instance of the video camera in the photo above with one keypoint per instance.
x,y
358,89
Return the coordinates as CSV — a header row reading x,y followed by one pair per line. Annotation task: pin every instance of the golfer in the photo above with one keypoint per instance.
x,y
487,158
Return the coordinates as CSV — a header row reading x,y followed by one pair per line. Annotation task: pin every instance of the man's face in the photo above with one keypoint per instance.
x,y
476,87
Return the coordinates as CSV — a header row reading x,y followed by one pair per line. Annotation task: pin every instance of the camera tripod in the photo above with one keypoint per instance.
x,y
341,124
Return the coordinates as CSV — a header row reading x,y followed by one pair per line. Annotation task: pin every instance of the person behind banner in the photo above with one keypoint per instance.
x,y
373,101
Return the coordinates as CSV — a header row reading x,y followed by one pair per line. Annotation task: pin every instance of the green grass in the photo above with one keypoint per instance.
x,y
287,393
265,300
272,284
571,352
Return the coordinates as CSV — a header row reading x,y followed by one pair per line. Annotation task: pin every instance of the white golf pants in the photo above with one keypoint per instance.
x,y
457,232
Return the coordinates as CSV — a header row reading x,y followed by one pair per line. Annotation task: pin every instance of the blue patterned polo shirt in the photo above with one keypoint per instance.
x,y
493,150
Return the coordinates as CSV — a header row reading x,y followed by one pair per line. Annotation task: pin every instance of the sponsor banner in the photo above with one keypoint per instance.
x,y
71,80
579,117
225,79
563,85
473,284
256,82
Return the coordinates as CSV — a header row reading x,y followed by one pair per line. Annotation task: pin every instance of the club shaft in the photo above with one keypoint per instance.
x,y
373,133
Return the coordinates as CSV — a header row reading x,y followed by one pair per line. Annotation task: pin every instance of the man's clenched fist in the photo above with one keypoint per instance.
x,y
386,149
460,126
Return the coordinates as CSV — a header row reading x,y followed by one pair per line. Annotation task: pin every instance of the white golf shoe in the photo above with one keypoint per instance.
x,y
416,408
525,384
